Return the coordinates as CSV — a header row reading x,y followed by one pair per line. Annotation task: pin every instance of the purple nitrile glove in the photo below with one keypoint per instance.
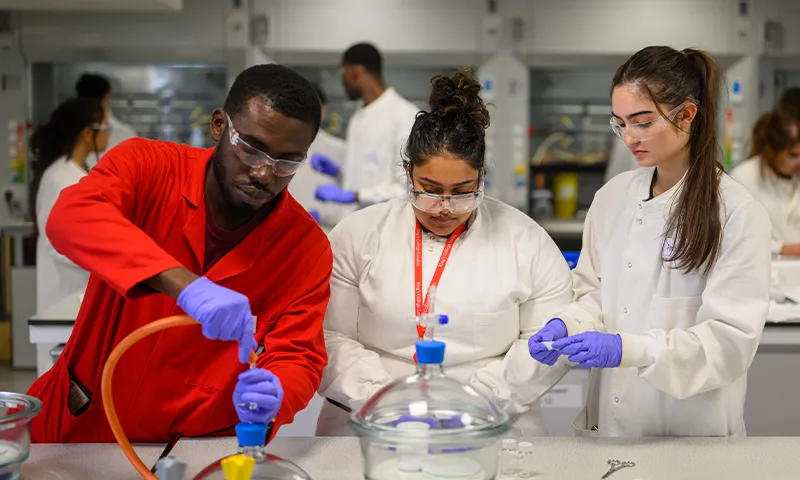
x,y
554,330
325,165
314,214
412,418
334,193
223,313
592,349
257,396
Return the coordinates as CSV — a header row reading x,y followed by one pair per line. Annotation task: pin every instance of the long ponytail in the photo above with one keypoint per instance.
x,y
58,137
671,77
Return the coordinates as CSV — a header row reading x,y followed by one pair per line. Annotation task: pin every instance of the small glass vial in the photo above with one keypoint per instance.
x,y
508,457
525,467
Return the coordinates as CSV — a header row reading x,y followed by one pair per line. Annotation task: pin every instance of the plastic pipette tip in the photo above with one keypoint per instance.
x,y
251,406
238,467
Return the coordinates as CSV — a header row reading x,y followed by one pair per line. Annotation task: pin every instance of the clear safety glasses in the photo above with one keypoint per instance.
x,y
434,204
644,130
255,158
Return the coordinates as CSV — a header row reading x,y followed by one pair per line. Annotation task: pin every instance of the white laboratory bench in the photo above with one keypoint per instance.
x,y
555,458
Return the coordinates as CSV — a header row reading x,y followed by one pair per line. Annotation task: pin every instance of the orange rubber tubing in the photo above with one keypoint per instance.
x,y
108,374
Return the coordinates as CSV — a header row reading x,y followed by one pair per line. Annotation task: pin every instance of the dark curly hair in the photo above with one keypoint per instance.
x,y
456,123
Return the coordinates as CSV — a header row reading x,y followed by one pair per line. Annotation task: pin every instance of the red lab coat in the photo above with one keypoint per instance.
x,y
138,213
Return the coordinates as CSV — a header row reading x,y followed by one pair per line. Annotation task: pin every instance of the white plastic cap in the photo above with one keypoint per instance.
x,y
525,446
509,444
411,457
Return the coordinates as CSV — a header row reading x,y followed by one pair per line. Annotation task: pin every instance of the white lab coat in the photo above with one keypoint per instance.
x,y
504,280
780,196
306,180
118,132
376,135
56,276
687,340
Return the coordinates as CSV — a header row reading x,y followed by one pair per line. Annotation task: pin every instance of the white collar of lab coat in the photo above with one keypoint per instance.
x,y
663,203
385,98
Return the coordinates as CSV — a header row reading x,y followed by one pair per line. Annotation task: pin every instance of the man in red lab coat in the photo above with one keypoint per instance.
x,y
216,230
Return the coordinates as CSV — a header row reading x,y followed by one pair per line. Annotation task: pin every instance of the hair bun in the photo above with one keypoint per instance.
x,y
458,94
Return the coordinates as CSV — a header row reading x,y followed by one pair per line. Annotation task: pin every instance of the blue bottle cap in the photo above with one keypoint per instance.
x,y
444,319
430,352
251,434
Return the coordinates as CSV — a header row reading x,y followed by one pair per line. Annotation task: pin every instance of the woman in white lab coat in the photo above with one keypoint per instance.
x,y
771,176
76,132
672,285
499,275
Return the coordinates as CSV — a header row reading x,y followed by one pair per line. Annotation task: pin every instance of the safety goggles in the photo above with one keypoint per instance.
x,y
434,204
644,130
255,158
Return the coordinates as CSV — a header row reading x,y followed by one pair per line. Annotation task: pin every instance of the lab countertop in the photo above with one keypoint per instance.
x,y
63,312
559,227
773,458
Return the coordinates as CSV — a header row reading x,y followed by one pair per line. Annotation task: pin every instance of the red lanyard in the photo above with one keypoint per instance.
x,y
421,307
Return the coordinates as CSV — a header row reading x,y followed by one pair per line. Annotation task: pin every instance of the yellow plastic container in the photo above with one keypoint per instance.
x,y
565,193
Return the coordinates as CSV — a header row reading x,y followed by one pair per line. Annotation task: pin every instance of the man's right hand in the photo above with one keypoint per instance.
x,y
325,165
223,313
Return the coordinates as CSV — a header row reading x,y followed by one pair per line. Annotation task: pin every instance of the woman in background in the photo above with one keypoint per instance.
x,y
672,285
76,131
771,176
498,274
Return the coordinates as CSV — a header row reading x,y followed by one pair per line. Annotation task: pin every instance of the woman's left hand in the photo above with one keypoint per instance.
x,y
592,349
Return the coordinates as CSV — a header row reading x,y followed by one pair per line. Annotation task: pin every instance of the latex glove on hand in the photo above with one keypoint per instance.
x,y
223,313
325,165
554,330
592,349
334,193
432,422
314,214
257,396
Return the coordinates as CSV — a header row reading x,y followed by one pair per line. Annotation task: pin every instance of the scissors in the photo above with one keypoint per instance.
x,y
617,465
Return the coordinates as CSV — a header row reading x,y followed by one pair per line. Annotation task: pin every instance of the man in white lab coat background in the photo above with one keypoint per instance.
x,y
372,171
97,87
307,180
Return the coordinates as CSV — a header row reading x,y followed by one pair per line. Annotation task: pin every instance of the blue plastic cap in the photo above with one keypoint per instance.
x,y
430,352
251,434
444,319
